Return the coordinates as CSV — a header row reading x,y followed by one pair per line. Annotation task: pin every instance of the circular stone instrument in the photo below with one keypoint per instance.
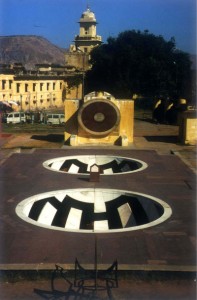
x,y
93,210
108,165
98,117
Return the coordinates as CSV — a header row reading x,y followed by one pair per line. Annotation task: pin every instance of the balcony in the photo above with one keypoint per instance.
x,y
88,38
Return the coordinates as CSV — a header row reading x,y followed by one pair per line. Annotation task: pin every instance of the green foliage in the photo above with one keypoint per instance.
x,y
139,63
74,81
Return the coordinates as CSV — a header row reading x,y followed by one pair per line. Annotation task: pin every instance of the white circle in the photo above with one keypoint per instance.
x,y
55,164
97,197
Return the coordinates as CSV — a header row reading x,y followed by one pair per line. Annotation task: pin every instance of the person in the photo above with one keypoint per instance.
x,y
28,118
171,113
159,111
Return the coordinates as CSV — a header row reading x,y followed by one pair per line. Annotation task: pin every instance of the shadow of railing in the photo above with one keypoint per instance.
x,y
93,281
87,284
56,294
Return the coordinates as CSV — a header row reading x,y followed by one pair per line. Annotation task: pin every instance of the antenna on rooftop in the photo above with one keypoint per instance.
x,y
88,5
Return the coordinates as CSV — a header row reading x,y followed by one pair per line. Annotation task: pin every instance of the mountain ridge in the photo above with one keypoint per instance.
x,y
29,50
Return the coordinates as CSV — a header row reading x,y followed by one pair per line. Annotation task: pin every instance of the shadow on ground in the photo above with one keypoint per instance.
x,y
145,119
163,139
53,138
56,294
74,294
68,290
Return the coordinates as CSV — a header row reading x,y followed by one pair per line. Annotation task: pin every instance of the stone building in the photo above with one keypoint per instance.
x,y
47,87
79,52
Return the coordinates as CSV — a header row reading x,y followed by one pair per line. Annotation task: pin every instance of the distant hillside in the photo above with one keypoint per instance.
x,y
29,50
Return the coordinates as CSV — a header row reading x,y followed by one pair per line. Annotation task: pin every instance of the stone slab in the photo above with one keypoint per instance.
x,y
169,246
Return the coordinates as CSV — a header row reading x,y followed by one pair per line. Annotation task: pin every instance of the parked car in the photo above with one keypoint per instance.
x,y
16,117
55,119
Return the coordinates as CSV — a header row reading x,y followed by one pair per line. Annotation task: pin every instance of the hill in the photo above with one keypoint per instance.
x,y
29,50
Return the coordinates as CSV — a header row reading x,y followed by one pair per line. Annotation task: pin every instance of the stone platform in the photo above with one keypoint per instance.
x,y
169,246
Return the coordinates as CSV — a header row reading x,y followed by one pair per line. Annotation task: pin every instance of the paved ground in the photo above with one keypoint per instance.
x,y
170,246
129,289
165,246
160,137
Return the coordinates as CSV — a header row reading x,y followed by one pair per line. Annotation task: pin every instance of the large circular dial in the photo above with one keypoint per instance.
x,y
99,117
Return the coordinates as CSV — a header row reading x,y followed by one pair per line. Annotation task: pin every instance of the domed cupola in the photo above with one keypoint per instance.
x,y
88,15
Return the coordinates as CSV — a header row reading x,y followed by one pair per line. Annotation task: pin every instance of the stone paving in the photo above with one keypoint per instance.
x,y
167,178
135,288
160,137
171,176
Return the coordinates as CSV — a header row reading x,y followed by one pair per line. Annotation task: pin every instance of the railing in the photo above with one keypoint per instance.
x,y
88,38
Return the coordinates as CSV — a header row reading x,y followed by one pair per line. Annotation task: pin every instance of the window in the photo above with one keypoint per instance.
x,y
53,85
26,87
34,87
10,84
18,87
41,86
86,30
48,85
3,84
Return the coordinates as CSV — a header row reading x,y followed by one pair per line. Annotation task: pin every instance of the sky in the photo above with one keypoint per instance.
x,y
57,20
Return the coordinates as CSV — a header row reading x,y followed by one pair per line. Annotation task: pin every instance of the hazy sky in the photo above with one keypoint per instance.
x,y
57,20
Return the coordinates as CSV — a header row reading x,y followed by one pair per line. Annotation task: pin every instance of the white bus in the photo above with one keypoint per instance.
x,y
55,119
16,117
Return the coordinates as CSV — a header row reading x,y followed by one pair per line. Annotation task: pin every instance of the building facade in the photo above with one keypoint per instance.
x,y
46,88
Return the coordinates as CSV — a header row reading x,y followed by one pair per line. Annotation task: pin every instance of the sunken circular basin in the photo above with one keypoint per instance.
x,y
93,210
108,165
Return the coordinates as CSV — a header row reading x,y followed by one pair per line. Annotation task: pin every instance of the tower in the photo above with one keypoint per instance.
x,y
78,54
87,38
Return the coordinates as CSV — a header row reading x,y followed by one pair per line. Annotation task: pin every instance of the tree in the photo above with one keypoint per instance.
x,y
139,63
